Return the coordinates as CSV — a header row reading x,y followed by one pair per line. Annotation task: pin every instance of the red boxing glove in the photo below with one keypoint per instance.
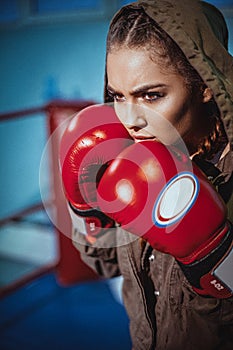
x,y
92,139
157,193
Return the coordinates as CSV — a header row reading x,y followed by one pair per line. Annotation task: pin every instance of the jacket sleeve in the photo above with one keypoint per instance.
x,y
102,255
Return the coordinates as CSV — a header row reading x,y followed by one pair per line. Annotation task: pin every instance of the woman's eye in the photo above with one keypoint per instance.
x,y
118,98
152,96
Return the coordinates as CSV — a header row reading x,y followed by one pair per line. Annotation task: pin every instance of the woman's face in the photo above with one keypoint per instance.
x,y
151,101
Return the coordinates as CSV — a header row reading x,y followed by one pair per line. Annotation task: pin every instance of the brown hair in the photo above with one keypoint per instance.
x,y
133,28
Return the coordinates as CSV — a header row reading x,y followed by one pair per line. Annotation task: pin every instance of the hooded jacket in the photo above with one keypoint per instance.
x,y
164,311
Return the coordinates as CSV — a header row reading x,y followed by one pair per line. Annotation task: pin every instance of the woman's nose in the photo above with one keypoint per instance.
x,y
131,115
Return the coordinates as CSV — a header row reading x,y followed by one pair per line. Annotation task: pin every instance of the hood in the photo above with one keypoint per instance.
x,y
201,32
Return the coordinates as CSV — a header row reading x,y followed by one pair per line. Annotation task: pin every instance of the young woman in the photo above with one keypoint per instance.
x,y
170,58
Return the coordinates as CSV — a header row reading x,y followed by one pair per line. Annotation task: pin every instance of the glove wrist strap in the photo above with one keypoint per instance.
x,y
212,275
89,222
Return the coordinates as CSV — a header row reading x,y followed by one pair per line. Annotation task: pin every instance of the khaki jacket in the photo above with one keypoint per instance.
x,y
165,313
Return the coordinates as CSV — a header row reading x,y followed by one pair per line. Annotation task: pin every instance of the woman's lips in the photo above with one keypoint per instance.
x,y
142,137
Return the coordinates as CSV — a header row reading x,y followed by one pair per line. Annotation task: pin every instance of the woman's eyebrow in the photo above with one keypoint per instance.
x,y
139,89
146,87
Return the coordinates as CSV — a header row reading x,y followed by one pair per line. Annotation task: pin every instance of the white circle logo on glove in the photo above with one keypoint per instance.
x,y
176,199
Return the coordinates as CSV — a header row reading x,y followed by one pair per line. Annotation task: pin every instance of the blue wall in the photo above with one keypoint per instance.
x,y
70,55
38,63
